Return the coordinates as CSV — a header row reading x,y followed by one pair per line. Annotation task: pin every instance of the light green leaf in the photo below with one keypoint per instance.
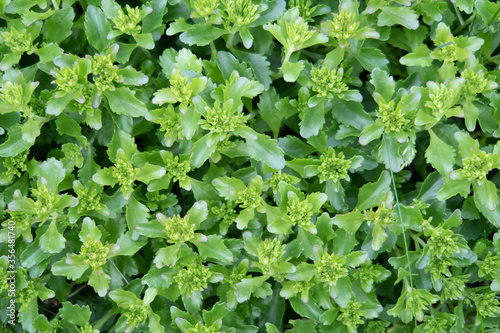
x,y
440,155
97,28
123,101
370,194
350,222
266,150
52,241
202,34
215,248
58,27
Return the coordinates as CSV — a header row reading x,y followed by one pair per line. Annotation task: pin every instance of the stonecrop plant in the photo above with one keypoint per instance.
x,y
251,166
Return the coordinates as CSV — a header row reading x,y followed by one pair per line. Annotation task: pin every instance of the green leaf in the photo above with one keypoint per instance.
x,y
370,194
350,222
68,126
68,270
440,155
453,187
58,27
266,150
148,172
487,194
75,314
48,52
14,145
351,113
105,177
258,63
135,214
133,77
121,140
291,71
129,246
201,151
247,286
123,101
53,172
155,19
145,40
313,120
215,248
389,153
97,28
52,241
201,34
56,106
398,15
371,58
421,57
99,281
268,110
309,310
383,83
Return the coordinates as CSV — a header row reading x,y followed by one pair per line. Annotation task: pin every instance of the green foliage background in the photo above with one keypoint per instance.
x,y
250,166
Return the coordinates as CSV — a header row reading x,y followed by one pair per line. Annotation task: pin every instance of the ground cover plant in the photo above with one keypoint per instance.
x,y
249,166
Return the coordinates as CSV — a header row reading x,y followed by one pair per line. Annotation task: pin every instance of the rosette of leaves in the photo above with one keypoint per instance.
x,y
328,85
347,24
226,119
443,250
179,230
441,101
210,20
294,33
395,122
19,40
477,83
126,169
126,22
76,93
17,97
331,168
295,209
28,292
136,310
248,197
217,319
476,165
93,261
45,204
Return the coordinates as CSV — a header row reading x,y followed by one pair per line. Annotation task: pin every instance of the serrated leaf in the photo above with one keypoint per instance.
x,y
52,241
97,28
398,15
370,194
123,101
266,150
215,248
201,34
440,155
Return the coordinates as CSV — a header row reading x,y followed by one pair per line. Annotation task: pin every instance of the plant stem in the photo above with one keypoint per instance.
x,y
229,43
98,324
214,51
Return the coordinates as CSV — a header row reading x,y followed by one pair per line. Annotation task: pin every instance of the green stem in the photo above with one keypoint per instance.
x,y
229,43
458,14
482,324
464,25
214,51
123,276
98,324
55,4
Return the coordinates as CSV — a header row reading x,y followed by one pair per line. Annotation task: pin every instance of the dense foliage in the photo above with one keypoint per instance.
x,y
250,166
